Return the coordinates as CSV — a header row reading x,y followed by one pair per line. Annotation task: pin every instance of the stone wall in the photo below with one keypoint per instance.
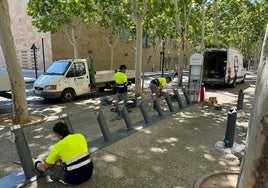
x,y
25,35
92,43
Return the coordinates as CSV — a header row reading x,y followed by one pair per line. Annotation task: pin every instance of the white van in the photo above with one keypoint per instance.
x,y
223,66
67,79
5,87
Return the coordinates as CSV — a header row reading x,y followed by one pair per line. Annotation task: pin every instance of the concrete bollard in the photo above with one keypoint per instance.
x,y
102,123
186,96
170,105
157,106
122,107
230,128
240,100
65,118
23,152
143,110
176,93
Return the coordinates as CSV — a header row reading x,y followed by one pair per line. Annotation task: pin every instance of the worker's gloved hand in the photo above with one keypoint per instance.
x,y
129,83
36,163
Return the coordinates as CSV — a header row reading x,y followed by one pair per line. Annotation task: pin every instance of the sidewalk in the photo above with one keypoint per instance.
x,y
173,152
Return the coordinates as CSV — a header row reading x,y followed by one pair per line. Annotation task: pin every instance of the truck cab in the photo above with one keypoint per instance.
x,y
63,79
66,79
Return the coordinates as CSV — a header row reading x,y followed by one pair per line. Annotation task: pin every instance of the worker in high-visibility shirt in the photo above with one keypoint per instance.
x,y
69,161
121,82
156,86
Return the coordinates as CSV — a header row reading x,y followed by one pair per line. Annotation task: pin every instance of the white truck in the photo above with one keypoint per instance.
x,y
67,79
4,84
223,66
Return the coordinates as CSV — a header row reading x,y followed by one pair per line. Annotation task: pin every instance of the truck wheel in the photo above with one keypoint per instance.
x,y
101,89
68,95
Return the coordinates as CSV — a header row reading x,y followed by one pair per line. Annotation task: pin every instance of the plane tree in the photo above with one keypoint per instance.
x,y
20,107
254,170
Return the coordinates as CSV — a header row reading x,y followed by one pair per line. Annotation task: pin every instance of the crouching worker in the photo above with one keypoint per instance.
x,y
68,161
157,84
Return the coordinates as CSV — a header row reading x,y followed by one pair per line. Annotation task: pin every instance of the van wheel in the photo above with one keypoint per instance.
x,y
68,95
243,81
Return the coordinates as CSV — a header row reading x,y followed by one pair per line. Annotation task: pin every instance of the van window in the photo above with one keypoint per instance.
x,y
77,69
58,68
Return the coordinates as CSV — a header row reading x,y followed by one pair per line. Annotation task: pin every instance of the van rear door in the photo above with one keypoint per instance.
x,y
214,67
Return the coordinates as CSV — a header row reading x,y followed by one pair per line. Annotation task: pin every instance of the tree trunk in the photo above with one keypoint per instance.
x,y
203,27
20,111
254,170
74,43
216,24
138,59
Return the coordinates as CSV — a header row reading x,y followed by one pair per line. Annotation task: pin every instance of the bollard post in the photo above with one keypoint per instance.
x,y
170,105
23,152
143,110
102,123
156,105
65,118
186,96
176,93
240,100
230,128
125,116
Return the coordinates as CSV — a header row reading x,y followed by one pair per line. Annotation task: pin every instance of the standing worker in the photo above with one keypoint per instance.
x,y
68,161
176,72
157,84
121,82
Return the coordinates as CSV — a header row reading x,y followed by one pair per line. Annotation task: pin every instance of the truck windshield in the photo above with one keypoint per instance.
x,y
58,68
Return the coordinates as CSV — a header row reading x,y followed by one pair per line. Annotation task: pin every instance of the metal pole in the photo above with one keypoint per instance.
x,y
65,118
186,96
156,104
103,125
23,152
176,93
143,110
125,116
43,50
170,105
240,100
230,128
35,66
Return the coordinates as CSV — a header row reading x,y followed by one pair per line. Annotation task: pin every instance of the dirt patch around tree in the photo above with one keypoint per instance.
x,y
223,179
6,120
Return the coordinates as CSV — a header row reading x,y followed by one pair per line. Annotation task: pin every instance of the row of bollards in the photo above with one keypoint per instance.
x,y
24,151
231,121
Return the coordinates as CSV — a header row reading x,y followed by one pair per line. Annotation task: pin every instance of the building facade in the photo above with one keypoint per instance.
x,y
25,35
91,43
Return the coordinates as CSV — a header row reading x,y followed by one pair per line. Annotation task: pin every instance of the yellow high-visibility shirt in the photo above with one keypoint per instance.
x,y
70,147
162,82
120,77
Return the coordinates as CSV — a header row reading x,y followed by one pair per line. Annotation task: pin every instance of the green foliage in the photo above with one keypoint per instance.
x,y
51,15
240,24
